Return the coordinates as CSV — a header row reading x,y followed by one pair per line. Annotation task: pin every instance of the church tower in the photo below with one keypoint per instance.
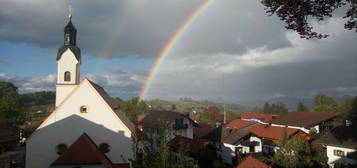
x,y
68,63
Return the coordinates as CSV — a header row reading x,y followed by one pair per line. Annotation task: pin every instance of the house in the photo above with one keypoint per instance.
x,y
258,117
202,130
340,145
243,137
178,123
305,121
251,162
85,119
266,136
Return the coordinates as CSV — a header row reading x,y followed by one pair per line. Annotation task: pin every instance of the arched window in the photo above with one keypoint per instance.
x,y
60,148
83,109
67,76
104,147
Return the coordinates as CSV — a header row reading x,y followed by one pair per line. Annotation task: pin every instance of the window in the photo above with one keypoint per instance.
x,y
104,147
67,76
83,109
67,38
61,148
338,153
179,122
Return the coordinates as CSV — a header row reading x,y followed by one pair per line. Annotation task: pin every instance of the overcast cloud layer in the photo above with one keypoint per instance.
x,y
260,60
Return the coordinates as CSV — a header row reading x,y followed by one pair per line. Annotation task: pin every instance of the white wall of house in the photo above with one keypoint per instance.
x,y
188,132
66,124
259,147
332,158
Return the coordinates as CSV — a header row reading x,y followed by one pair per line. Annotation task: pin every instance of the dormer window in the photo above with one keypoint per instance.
x,y
67,76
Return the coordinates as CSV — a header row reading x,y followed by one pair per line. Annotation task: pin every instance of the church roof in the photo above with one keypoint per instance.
x,y
114,106
69,26
83,151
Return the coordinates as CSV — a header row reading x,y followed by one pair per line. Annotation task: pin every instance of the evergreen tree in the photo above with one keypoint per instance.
x,y
301,107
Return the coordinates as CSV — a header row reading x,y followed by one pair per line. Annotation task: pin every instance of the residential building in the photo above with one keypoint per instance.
x,y
340,145
243,137
305,121
178,123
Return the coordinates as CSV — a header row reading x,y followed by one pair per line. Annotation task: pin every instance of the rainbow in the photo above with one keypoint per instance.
x,y
169,46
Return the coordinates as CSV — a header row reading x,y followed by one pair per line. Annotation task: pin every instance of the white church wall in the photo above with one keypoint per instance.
x,y
66,124
68,62
62,91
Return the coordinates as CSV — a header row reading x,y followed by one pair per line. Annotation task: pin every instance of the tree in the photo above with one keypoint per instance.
x,y
230,116
297,14
132,107
206,117
296,152
324,103
12,111
267,108
301,107
275,108
152,150
353,112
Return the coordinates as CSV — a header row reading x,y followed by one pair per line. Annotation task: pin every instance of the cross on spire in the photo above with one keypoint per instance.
x,y
70,10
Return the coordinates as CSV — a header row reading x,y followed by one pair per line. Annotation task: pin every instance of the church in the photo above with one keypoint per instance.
x,y
86,129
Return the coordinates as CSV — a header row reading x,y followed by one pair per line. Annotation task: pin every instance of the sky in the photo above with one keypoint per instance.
x,y
232,49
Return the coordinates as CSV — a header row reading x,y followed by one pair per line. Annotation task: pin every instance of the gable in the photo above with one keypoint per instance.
x,y
99,111
68,57
74,49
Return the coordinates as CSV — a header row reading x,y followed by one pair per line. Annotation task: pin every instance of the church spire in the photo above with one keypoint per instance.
x,y
70,32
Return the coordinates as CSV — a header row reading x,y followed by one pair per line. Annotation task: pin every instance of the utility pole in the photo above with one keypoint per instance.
x,y
224,105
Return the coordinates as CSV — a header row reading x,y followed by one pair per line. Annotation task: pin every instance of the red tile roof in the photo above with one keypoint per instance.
x,y
271,132
6,135
140,118
251,162
83,151
214,111
238,124
202,130
303,119
194,145
259,116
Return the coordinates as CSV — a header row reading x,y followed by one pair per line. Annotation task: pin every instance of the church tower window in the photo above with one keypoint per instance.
x,y
67,76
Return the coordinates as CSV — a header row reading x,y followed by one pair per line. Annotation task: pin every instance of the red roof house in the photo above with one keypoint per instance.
x,y
251,162
238,124
202,130
258,116
274,132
